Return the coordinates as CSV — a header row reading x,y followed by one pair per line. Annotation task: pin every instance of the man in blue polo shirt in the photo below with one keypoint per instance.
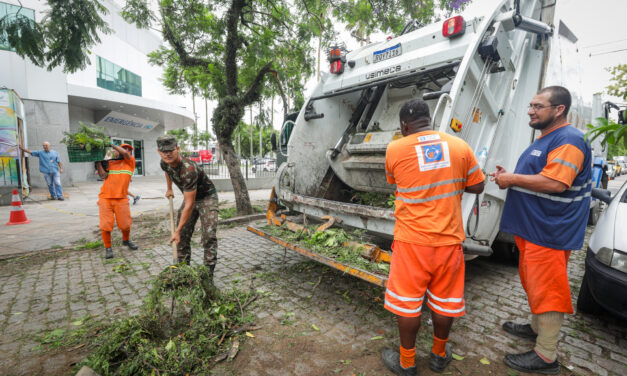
x,y
50,165
546,209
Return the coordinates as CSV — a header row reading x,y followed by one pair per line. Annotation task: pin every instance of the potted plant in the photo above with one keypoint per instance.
x,y
87,144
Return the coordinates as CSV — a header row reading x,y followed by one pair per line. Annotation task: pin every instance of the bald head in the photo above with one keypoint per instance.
x,y
46,146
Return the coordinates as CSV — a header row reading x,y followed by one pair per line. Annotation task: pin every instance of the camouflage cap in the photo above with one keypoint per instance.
x,y
166,143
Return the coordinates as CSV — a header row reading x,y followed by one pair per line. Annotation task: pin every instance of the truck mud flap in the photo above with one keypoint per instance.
x,y
375,279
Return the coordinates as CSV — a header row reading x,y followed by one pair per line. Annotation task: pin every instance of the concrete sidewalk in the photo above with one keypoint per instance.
x,y
56,224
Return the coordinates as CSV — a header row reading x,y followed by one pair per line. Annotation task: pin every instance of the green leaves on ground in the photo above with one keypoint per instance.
x,y
183,325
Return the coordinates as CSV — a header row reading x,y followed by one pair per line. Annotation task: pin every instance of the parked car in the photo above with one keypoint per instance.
x,y
605,279
265,164
612,170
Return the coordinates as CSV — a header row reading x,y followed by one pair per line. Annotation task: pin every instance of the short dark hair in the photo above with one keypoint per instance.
x,y
414,109
559,95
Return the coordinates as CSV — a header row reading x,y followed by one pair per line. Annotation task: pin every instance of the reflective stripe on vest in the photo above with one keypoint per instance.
x,y
551,197
120,172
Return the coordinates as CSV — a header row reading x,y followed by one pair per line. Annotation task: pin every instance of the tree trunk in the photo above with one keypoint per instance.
x,y
242,199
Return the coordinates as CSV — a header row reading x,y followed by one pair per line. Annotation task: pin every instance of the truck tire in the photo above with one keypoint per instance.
x,y
505,252
585,300
595,212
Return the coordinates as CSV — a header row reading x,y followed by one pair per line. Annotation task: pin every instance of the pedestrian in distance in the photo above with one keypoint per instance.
x,y
133,197
113,204
546,209
200,200
431,171
50,165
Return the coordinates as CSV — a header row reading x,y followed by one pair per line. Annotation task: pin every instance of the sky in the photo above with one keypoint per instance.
x,y
598,24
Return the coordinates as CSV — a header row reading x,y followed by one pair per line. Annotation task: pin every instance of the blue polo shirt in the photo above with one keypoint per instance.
x,y
553,220
48,161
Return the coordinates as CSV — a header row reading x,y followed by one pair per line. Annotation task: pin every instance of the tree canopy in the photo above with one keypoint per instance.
x,y
236,52
618,85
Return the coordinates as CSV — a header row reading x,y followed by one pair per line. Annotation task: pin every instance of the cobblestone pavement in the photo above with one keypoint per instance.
x,y
49,291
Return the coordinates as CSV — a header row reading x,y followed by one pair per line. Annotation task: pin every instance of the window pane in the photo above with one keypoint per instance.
x,y
113,77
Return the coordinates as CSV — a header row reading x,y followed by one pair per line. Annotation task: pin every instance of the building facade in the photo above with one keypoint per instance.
x,y
118,90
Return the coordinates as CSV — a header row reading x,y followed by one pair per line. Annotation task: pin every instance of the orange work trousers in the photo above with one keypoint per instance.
x,y
543,276
416,270
114,207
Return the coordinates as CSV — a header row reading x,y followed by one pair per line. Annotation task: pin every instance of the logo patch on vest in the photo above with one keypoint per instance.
x,y
536,153
433,156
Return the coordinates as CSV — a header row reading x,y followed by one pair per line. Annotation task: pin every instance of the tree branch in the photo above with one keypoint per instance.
x,y
184,56
253,93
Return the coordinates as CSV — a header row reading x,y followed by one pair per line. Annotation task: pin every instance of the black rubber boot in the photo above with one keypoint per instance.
x,y
438,363
108,253
519,330
530,362
130,244
392,360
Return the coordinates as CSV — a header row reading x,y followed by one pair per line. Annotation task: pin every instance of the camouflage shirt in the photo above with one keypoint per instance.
x,y
189,177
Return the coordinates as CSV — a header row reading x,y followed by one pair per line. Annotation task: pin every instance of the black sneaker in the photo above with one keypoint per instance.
x,y
130,244
530,362
60,199
108,253
392,360
438,363
520,330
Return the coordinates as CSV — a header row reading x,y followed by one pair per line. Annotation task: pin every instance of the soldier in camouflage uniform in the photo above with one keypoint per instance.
x,y
200,201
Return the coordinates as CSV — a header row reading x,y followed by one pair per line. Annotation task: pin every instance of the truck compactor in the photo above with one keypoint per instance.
x,y
477,75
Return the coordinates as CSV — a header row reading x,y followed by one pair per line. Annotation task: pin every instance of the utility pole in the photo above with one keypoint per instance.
x,y
319,49
206,122
195,143
251,131
260,139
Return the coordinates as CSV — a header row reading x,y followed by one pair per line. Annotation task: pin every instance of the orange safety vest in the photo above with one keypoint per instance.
x,y
116,184
431,171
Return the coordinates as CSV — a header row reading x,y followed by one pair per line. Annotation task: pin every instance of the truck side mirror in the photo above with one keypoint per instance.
x,y
621,117
273,141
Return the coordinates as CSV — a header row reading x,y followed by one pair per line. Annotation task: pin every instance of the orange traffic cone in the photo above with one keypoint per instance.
x,y
18,216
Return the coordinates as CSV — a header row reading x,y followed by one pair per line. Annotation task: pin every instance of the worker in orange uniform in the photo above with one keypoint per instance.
x,y
431,171
546,209
112,198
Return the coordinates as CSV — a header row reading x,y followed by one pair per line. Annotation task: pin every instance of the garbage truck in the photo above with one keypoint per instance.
x,y
476,73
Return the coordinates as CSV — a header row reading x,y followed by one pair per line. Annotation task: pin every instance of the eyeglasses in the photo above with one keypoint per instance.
x,y
540,107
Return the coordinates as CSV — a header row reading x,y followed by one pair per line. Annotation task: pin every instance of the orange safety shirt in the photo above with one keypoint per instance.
x,y
431,170
116,184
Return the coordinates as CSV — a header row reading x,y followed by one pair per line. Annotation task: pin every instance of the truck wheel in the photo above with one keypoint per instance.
x,y
585,300
595,212
505,252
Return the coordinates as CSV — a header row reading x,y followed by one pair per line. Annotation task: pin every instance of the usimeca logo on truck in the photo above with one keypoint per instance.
x,y
383,72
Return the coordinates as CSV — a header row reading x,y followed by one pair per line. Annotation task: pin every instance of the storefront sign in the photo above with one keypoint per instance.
x,y
117,118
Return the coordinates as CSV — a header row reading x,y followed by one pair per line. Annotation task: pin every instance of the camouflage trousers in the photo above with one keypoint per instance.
x,y
207,210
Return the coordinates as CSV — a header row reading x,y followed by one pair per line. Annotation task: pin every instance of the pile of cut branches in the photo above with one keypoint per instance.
x,y
185,327
330,243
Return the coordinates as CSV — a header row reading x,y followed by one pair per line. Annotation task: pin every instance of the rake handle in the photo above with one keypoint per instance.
x,y
174,252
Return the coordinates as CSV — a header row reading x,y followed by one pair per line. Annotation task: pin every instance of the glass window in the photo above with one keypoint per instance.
x,y
12,11
113,77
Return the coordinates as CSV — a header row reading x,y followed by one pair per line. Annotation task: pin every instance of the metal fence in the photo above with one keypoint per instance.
x,y
250,169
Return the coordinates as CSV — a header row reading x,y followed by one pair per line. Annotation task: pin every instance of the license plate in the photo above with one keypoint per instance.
x,y
387,53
